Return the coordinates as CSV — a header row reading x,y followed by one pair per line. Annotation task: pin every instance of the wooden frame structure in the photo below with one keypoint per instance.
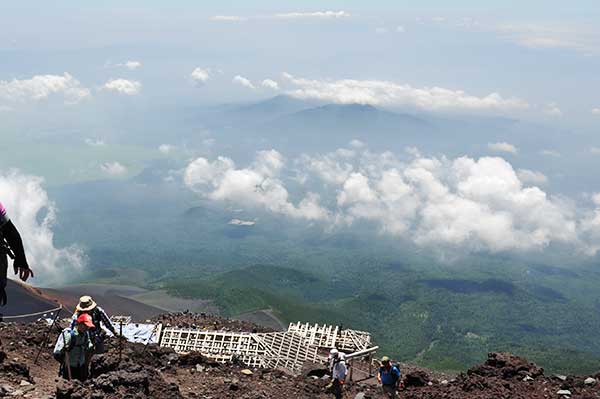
x,y
327,336
268,350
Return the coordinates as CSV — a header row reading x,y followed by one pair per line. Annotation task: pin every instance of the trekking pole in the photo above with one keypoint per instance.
x,y
46,336
67,357
150,338
120,339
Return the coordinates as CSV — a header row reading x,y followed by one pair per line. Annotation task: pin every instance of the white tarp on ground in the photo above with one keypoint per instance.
x,y
140,332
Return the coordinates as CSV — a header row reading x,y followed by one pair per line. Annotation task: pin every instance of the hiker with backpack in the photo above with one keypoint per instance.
x,y
99,317
389,377
72,349
337,362
11,245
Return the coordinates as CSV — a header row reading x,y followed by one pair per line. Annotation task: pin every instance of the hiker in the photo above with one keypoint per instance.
x,y
72,348
11,245
338,371
87,305
388,377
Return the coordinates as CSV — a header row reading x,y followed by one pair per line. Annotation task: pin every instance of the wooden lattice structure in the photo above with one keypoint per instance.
x,y
278,349
327,336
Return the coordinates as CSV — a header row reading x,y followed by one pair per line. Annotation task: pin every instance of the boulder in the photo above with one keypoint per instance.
x,y
506,366
416,379
589,381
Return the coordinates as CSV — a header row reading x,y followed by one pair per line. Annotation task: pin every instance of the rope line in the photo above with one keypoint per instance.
x,y
19,316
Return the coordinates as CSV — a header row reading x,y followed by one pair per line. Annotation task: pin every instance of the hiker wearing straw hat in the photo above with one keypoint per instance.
x,y
99,317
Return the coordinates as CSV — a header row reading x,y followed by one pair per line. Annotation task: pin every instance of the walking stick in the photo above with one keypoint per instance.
x,y
150,338
120,339
46,336
67,357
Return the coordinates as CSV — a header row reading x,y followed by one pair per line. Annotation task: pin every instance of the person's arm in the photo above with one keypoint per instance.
x,y
61,344
74,319
106,321
379,376
398,378
13,238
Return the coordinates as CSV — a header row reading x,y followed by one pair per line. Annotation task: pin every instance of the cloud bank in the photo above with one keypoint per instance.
x,y
123,86
34,215
503,147
42,87
381,92
456,204
113,168
257,185
243,82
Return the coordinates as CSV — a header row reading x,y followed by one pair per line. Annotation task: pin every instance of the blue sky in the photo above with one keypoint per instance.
x,y
545,53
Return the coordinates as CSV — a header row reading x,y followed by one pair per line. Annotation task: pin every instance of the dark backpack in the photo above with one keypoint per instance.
x,y
61,357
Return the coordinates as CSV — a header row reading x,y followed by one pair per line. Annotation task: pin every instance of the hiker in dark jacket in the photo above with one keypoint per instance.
x,y
72,349
99,318
389,377
11,245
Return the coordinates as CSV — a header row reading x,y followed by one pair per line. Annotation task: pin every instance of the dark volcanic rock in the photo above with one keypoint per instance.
x,y
506,366
416,379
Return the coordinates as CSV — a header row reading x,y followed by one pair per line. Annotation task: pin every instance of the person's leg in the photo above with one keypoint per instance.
x,y
389,391
3,276
337,389
78,373
99,349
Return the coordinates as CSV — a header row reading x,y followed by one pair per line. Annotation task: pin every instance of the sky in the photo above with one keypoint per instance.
x,y
544,53
80,84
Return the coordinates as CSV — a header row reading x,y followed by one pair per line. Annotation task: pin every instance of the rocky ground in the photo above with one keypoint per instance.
x,y
135,371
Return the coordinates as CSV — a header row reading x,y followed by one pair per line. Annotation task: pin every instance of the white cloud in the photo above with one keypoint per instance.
x,y
166,148
381,30
123,86
590,227
553,110
379,92
95,142
531,176
578,38
467,204
596,111
459,204
41,87
244,82
113,168
200,75
34,215
400,29
317,14
228,18
595,150
503,147
239,222
132,65
550,153
270,84
6,108
258,185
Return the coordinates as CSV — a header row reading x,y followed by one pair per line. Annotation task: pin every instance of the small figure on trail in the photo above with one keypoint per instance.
x,y
389,377
338,371
99,317
11,245
72,349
